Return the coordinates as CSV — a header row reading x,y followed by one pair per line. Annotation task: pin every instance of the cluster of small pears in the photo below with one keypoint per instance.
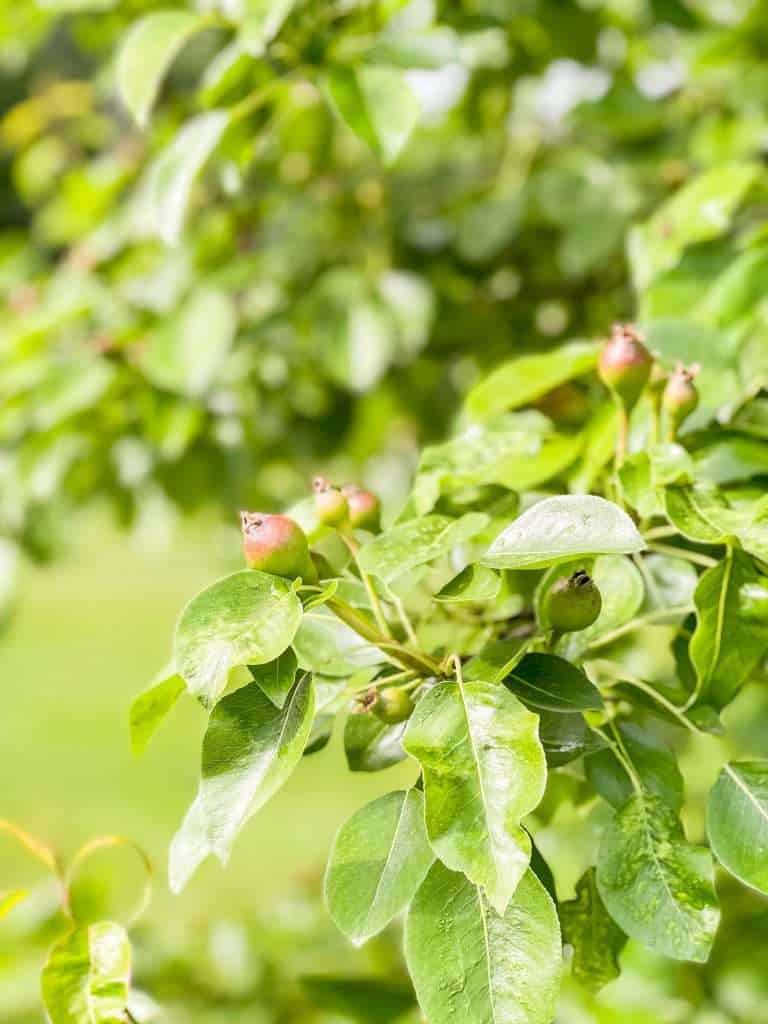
x,y
278,545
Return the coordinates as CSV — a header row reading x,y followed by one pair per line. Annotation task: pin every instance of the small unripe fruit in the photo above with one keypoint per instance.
x,y
330,503
625,365
393,705
276,544
364,508
572,603
681,396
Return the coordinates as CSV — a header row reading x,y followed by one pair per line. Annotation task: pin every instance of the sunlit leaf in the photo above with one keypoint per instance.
x,y
378,861
737,821
86,978
484,771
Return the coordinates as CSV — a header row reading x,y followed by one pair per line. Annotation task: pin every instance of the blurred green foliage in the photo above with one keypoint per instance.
x,y
316,304
280,270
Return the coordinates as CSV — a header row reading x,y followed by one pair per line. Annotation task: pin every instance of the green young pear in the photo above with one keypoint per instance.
x,y
573,603
392,705
276,544
330,504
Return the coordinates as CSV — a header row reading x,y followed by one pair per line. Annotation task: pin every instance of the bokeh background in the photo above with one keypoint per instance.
x,y
194,327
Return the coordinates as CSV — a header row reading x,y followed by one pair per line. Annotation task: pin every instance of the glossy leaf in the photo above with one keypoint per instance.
x,y
653,760
564,736
496,660
595,937
277,677
701,210
379,859
475,583
377,104
151,707
248,618
728,641
514,451
417,542
470,964
147,53
658,887
249,750
554,684
526,378
561,529
327,646
484,771
737,821
86,978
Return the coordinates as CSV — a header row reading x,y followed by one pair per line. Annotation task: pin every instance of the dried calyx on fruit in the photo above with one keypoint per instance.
x,y
625,364
573,603
681,397
364,508
276,544
330,503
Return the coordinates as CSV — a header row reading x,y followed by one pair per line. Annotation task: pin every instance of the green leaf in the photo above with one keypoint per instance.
x,y
371,745
472,965
262,21
417,542
496,660
517,450
653,760
737,821
728,641
10,898
165,196
150,708
367,1000
595,937
698,512
147,53
561,529
526,378
554,684
377,104
327,646
475,583
249,750
658,887
701,210
732,460
484,771
379,859
187,352
564,736
86,978
277,677
248,618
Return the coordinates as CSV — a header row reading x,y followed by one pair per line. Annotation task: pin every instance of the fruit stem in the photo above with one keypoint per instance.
x,y
622,438
373,597
421,663
684,553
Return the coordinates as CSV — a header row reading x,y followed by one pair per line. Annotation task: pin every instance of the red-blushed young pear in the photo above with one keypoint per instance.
x,y
276,544
681,396
625,364
364,508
